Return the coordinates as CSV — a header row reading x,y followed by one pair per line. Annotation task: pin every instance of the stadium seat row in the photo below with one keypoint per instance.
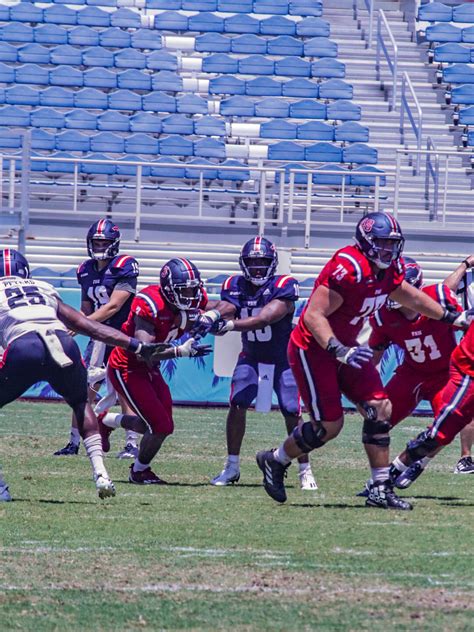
x,y
452,53
458,73
438,12
447,32
264,86
62,14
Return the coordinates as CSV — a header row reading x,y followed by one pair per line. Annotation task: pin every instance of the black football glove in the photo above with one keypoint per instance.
x,y
204,323
353,356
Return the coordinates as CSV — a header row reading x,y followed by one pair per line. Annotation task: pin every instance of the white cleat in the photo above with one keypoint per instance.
x,y
229,475
130,451
105,487
307,481
4,492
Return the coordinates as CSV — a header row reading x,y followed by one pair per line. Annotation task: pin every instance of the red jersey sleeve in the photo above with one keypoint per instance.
x,y
378,337
343,271
145,307
442,294
398,275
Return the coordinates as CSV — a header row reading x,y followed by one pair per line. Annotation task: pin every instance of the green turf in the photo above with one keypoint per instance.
x,y
191,556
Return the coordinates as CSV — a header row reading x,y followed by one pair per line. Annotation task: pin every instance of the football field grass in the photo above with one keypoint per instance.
x,y
190,556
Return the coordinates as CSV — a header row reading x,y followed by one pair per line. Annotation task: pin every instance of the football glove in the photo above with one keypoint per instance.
x,y
353,356
221,327
192,349
458,319
149,352
204,323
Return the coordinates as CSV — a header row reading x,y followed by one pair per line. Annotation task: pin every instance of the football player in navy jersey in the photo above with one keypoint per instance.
x,y
108,282
263,305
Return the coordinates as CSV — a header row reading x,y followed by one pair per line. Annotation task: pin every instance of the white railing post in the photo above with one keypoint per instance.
x,y
392,64
307,224
24,191
138,202
396,192
75,187
371,9
445,189
417,126
11,184
263,192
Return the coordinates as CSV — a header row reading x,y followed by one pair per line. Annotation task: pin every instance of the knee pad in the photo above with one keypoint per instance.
x,y
422,446
287,393
244,386
307,438
372,427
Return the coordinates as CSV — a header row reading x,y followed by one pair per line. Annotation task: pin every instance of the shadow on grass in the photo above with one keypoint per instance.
x,y
435,497
327,506
54,502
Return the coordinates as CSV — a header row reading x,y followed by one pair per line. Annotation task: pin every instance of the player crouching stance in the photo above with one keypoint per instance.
x,y
327,360
34,325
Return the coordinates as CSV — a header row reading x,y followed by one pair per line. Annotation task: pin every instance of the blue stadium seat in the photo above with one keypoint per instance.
x,y
323,152
308,109
275,7
463,13
300,88
351,132
4,13
237,106
39,165
221,63
146,39
292,67
463,94
115,37
277,25
7,74
177,124
141,144
452,53
343,111
172,5
22,95
331,179
192,104
66,54
159,170
161,60
195,173
125,18
366,181
57,14
129,58
466,116
124,100
435,12
306,7
80,119
315,130
328,69
100,78
176,146
90,98
235,175
360,153
8,52
98,56
16,32
335,89
278,129
145,122
26,12
10,140
313,27
41,140
199,5
212,43
112,121
272,108
263,86
320,47
209,126
158,102
286,150
242,23
299,178
93,16
231,6
33,53
171,21
458,73
167,81
12,116
248,44
59,167
57,97
50,34
29,73
72,141
131,170
227,85
83,36
256,65
46,117
107,142
444,32
134,80
206,23
97,169
285,45
66,76
209,148
468,35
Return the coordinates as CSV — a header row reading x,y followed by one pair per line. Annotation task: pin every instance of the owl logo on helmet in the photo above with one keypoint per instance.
x,y
103,240
13,263
413,276
380,238
181,284
258,260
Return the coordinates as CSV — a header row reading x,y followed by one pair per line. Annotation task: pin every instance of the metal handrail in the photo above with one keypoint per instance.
x,y
405,107
381,46
370,6
433,172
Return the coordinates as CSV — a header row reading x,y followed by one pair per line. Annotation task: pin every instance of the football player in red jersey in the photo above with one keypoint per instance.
x,y
328,361
427,346
159,313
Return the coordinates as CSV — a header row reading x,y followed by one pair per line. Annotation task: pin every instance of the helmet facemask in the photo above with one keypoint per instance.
x,y
258,269
187,295
101,249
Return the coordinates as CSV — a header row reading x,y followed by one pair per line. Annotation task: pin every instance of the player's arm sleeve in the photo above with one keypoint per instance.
x,y
447,298
287,289
144,307
230,292
127,276
341,273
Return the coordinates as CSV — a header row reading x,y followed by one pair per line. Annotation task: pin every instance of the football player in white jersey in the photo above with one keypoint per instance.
x,y
34,325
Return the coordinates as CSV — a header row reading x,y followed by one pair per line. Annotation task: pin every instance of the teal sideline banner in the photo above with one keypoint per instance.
x,y
193,381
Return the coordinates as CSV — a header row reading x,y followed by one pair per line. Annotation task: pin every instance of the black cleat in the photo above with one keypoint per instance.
x,y
393,473
409,476
465,466
70,449
365,492
273,474
381,495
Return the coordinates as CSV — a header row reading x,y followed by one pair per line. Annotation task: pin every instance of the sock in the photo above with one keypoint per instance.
x,y
379,474
131,437
75,437
281,456
93,445
303,467
425,461
399,465
138,466
112,420
233,459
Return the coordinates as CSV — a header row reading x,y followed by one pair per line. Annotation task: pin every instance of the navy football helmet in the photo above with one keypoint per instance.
x,y
181,284
380,238
106,236
413,276
258,260
13,263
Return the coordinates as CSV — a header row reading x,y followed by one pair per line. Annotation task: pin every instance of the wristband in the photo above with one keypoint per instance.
x,y
466,263
134,345
336,348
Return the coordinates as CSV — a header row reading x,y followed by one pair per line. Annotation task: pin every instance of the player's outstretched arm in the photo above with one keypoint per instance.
x,y
455,278
273,312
